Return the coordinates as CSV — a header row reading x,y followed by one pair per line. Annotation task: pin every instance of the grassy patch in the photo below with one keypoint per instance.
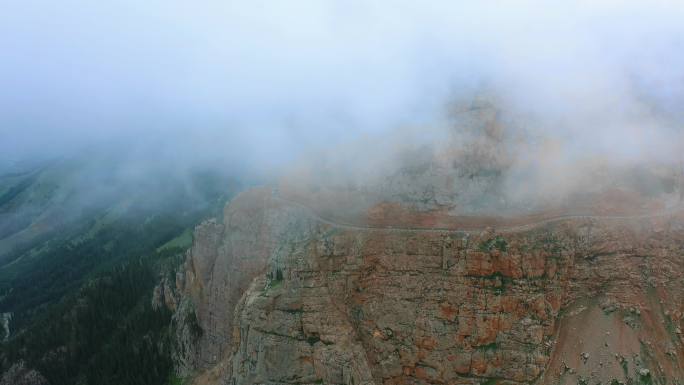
x,y
491,347
182,241
275,284
498,243
625,366
175,380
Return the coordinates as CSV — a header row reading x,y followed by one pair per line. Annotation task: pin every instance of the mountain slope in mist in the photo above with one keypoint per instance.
x,y
45,199
83,241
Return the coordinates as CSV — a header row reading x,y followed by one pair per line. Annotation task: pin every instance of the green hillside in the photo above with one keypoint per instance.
x,y
81,249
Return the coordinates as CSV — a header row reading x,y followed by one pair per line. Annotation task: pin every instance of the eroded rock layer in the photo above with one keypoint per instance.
x,y
281,296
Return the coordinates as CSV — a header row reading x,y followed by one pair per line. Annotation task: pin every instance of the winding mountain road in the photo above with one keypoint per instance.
x,y
504,229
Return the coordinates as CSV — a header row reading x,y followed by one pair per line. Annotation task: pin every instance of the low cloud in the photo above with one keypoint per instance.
x,y
256,86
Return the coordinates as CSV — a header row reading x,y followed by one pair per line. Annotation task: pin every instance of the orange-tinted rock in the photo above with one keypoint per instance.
x,y
399,306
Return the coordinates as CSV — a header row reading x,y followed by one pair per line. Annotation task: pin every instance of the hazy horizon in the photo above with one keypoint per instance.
x,y
257,85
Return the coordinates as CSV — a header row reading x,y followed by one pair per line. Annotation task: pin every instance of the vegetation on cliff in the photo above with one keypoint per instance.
x,y
79,285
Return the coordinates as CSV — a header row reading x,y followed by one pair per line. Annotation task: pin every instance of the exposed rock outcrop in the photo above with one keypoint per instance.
x,y
282,296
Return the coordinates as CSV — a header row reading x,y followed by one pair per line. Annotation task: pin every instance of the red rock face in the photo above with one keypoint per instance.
x,y
472,316
286,298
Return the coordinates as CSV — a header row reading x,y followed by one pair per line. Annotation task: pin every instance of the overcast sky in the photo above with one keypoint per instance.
x,y
263,80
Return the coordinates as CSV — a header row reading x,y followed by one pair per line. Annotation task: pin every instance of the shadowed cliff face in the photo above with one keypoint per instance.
x,y
283,295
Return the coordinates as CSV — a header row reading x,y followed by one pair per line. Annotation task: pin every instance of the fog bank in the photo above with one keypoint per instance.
x,y
253,86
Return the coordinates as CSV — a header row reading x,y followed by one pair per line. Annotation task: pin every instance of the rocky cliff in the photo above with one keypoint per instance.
x,y
282,296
